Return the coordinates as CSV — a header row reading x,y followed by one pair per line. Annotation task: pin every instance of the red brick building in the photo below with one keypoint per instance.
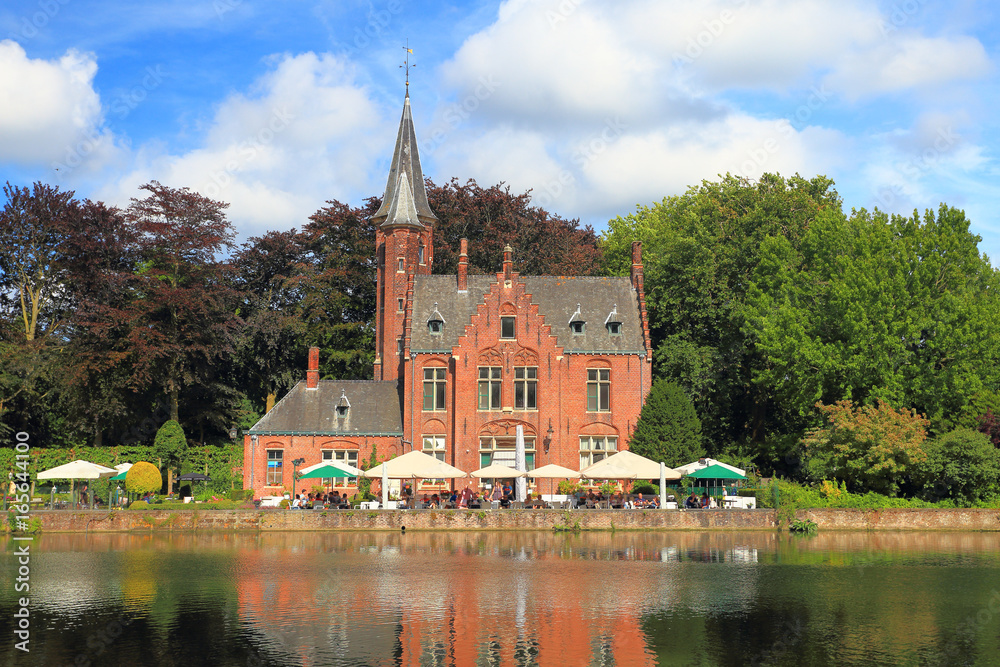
x,y
462,360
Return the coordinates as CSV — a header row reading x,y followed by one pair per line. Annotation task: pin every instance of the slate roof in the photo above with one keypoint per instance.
x,y
374,410
405,169
557,298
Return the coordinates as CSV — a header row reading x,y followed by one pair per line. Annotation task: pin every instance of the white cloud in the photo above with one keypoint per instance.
x,y
304,133
909,62
50,113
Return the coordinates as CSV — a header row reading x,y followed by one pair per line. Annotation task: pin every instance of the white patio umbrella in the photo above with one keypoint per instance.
x,y
553,471
497,471
415,465
78,469
521,485
642,467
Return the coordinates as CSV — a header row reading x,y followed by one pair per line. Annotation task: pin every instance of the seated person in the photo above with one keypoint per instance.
x,y
692,502
434,503
704,501
296,503
654,503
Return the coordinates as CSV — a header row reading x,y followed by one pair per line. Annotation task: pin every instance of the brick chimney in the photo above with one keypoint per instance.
x,y
312,374
637,265
508,265
463,266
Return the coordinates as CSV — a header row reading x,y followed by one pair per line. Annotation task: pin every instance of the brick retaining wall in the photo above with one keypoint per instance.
x,y
514,520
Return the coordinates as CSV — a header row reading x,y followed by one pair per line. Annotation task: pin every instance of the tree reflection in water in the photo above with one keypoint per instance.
x,y
505,598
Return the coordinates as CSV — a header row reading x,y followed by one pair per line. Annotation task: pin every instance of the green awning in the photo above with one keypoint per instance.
x,y
716,472
120,477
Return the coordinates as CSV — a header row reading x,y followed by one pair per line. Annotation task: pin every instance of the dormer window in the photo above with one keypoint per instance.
x,y
343,405
613,322
435,323
576,323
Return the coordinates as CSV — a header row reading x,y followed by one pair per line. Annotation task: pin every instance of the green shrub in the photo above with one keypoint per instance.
x,y
239,495
143,477
645,488
569,487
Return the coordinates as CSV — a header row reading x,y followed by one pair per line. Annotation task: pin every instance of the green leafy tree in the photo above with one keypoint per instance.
x,y
871,307
143,477
699,252
170,446
668,429
963,465
870,448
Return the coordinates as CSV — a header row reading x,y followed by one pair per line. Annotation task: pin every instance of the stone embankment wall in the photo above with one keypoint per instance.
x,y
514,520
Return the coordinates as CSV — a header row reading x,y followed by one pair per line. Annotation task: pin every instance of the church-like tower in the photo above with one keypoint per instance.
x,y
404,243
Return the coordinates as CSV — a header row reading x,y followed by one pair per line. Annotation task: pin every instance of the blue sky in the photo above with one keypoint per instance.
x,y
597,106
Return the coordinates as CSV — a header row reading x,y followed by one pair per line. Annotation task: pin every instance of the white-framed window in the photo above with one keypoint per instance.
x,y
502,449
526,387
275,461
490,385
598,390
399,305
433,445
434,388
420,253
348,456
400,266
594,448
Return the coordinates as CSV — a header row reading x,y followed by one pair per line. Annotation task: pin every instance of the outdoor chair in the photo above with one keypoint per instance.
x,y
516,505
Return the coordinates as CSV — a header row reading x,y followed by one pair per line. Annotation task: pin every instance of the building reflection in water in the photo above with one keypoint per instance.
x,y
474,598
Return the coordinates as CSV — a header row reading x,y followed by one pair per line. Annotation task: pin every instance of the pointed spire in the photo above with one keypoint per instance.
x,y
405,173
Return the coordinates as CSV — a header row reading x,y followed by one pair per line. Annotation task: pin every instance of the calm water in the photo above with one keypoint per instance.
x,y
461,599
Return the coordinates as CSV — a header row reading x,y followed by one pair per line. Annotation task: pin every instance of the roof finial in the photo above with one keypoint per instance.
x,y
406,65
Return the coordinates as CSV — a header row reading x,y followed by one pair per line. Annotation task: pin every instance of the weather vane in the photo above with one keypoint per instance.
x,y
406,64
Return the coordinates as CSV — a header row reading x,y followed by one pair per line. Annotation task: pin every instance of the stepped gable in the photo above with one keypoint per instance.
x,y
374,410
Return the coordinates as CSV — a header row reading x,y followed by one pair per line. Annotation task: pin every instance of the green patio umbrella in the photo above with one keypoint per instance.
x,y
329,470
120,477
716,472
